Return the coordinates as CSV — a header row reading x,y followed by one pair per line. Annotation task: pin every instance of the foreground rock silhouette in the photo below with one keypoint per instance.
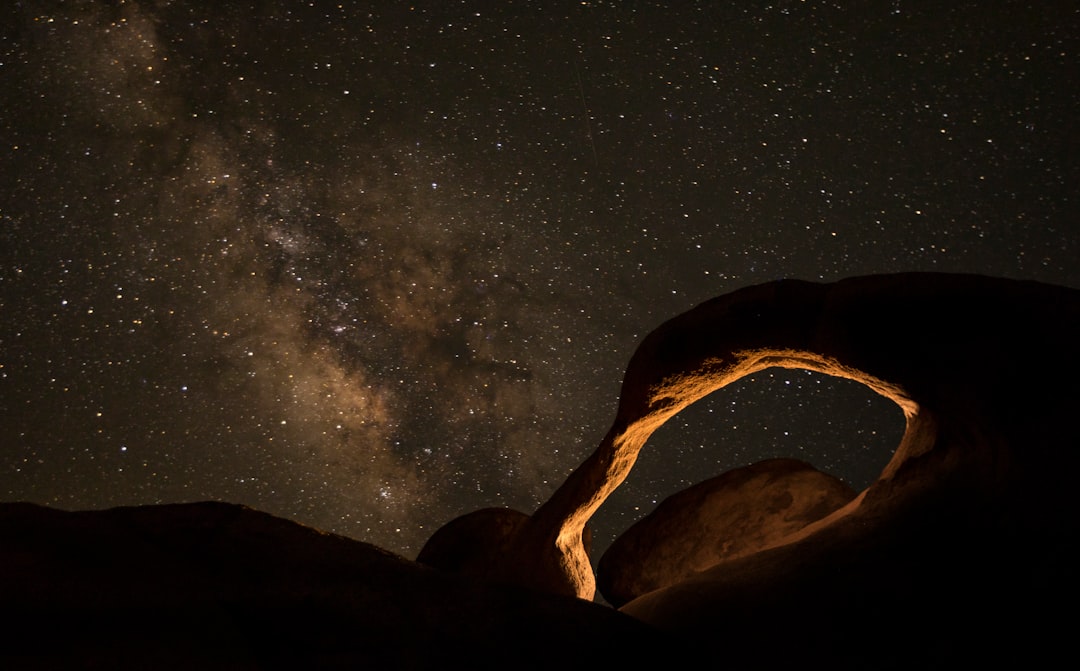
x,y
961,554
221,586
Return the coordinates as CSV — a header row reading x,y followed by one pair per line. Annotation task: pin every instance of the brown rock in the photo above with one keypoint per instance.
x,y
959,553
977,365
740,512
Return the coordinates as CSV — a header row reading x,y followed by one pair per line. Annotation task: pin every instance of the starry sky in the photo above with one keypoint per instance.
x,y
370,266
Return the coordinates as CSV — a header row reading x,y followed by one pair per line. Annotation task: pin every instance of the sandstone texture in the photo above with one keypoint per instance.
x,y
740,512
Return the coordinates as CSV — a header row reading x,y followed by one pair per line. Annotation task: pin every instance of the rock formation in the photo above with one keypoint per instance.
x,y
961,555
981,368
720,519
957,553
472,544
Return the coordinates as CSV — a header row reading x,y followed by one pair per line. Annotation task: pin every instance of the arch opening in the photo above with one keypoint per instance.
x,y
838,425
654,394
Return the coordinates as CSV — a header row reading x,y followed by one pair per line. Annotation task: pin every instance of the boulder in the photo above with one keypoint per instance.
x,y
740,512
465,544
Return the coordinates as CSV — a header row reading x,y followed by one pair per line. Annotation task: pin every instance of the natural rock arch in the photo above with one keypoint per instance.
x,y
952,351
594,481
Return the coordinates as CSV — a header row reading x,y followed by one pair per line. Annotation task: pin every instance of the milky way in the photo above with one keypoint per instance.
x,y
372,269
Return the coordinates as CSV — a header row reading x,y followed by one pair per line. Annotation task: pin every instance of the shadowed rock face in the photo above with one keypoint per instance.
x,y
220,586
975,363
472,544
740,512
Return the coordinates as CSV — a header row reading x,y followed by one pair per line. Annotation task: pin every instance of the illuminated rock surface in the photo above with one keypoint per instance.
x,y
953,556
975,363
734,514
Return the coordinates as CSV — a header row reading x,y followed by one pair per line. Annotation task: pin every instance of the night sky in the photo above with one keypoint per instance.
x,y
370,266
